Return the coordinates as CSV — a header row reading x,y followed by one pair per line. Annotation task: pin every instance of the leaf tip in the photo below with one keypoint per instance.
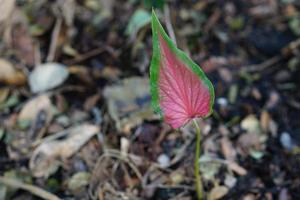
x,y
154,19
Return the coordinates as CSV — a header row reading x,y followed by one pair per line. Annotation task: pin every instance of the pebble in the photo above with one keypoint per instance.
x,y
222,101
286,141
163,160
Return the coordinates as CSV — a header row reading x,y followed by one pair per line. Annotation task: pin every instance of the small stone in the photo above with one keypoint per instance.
x,y
286,141
222,101
251,124
230,181
163,160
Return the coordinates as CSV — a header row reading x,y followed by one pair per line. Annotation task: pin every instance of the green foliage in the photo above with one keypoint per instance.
x,y
138,20
154,3
237,23
294,24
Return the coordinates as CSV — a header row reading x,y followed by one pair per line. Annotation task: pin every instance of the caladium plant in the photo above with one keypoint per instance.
x,y
180,90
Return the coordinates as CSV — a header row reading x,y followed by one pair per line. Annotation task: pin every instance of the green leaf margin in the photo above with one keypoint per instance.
x,y
155,63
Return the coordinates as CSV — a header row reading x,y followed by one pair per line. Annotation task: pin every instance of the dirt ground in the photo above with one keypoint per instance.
x,y
75,115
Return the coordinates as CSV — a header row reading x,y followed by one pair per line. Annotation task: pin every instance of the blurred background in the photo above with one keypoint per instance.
x,y
75,115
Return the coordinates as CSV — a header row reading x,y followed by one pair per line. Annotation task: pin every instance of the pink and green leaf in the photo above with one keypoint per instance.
x,y
179,88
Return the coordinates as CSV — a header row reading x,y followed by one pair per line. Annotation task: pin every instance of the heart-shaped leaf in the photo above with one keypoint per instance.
x,y
179,88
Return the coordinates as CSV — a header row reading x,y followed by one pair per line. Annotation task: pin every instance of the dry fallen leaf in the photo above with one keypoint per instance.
x,y
62,145
230,181
9,75
91,101
237,168
251,124
6,9
265,120
284,194
33,107
213,63
23,43
249,197
263,9
4,92
129,105
225,74
248,141
68,10
78,181
208,168
47,76
217,192
227,149
273,100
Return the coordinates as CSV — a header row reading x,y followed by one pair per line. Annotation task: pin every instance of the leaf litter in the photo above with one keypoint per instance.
x,y
84,129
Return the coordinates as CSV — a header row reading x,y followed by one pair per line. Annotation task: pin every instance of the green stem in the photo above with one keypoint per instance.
x,y
199,187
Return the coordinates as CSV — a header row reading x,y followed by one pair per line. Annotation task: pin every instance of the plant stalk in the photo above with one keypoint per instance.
x,y
199,187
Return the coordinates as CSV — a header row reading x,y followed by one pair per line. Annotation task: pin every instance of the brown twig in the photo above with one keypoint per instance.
x,y
169,23
291,49
30,188
212,20
85,56
260,67
54,38
37,54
